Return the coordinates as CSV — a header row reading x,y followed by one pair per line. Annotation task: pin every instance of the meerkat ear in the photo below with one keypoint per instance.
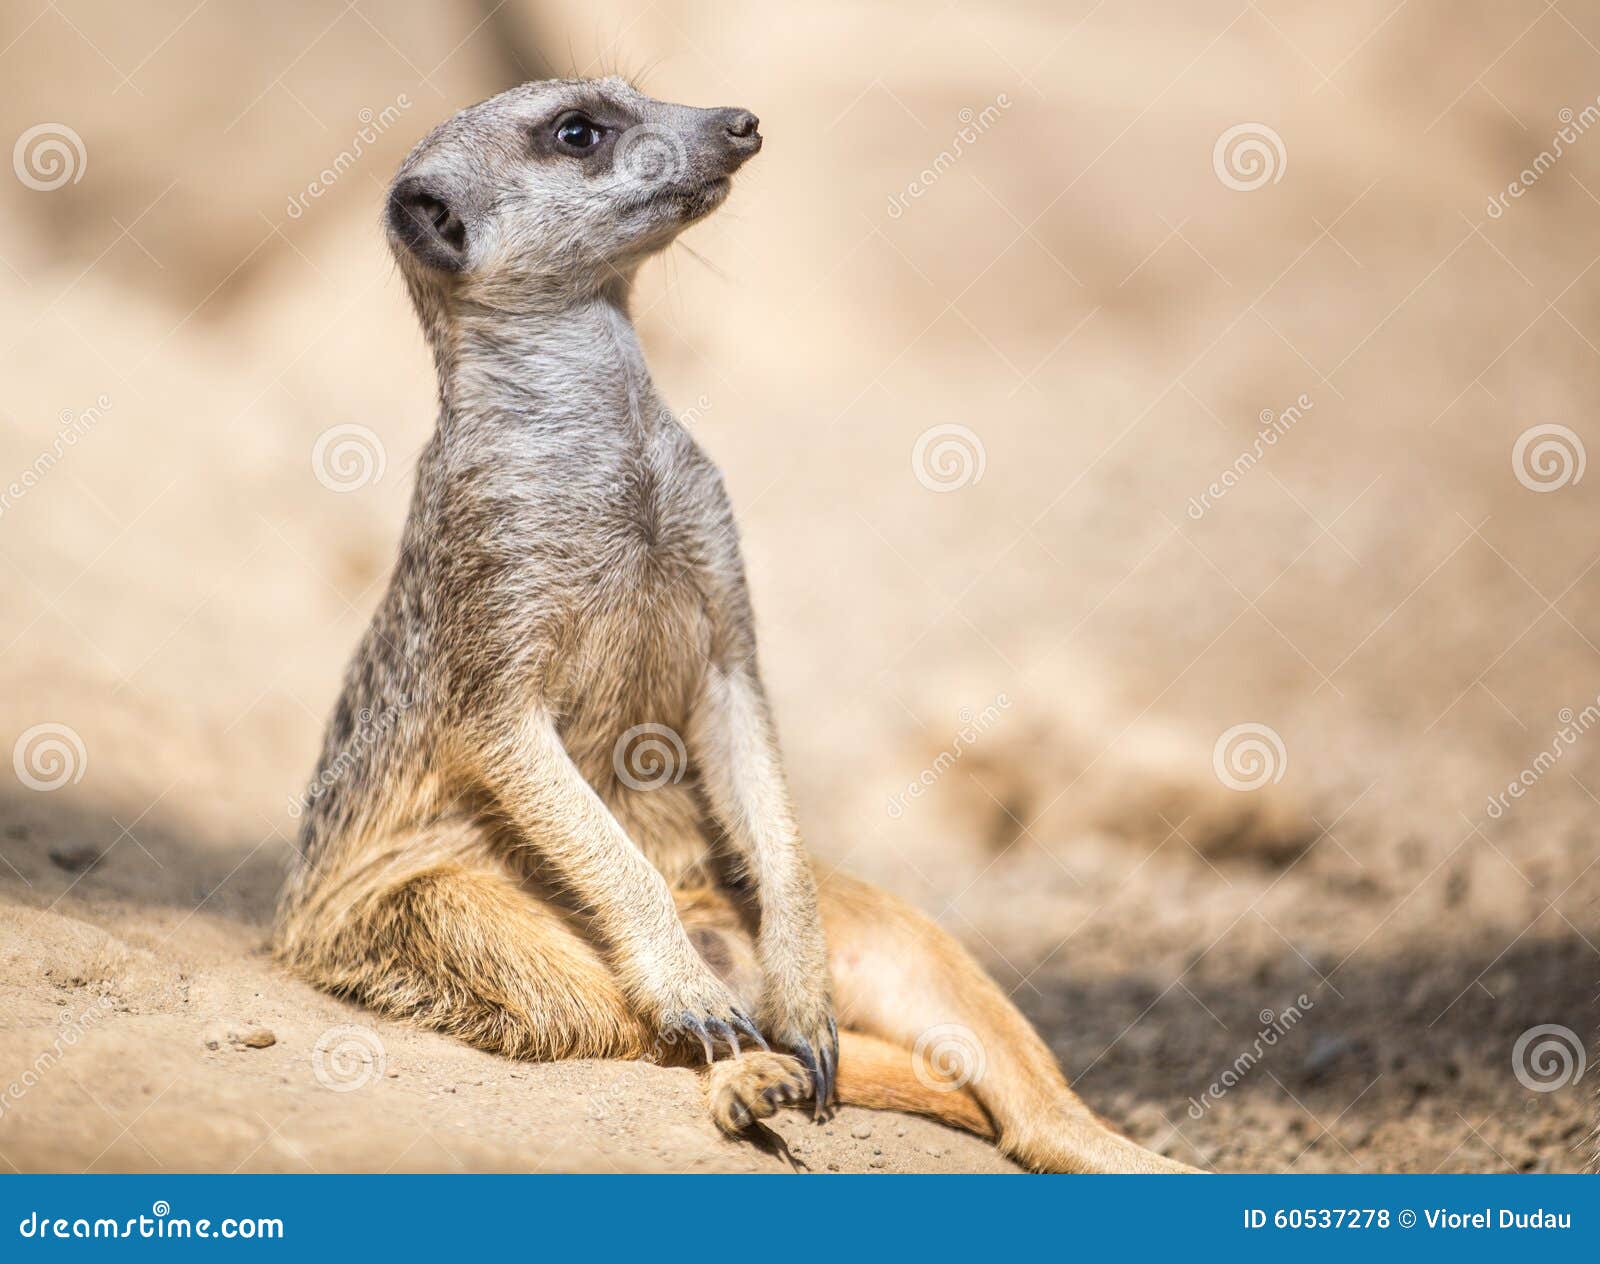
x,y
422,219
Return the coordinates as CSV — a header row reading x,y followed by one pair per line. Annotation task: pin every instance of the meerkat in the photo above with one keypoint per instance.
x,y
477,852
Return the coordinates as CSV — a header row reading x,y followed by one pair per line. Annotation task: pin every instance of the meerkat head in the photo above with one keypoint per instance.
x,y
564,184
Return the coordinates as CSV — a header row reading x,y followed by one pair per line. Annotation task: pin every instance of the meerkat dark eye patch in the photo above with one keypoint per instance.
x,y
583,127
421,216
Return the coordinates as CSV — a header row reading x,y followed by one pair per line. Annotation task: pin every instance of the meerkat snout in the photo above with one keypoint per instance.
x,y
560,183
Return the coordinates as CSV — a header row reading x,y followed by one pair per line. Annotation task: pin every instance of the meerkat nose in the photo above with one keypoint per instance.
x,y
741,124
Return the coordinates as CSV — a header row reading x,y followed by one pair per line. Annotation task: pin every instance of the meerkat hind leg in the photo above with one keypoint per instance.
x,y
461,947
872,1072
900,977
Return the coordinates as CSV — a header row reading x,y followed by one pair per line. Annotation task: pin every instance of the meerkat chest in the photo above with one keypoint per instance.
x,y
640,630
629,672
641,636
628,697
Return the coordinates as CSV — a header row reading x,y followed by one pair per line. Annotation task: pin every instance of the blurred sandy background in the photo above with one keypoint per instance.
x,y
1105,305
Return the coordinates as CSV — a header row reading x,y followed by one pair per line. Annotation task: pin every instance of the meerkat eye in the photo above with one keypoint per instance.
x,y
577,133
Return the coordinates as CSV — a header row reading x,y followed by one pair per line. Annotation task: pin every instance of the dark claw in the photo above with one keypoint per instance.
x,y
719,1028
833,1059
824,1093
696,1026
743,1023
808,1059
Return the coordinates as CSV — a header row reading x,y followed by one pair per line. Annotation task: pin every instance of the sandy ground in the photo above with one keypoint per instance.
x,y
1056,643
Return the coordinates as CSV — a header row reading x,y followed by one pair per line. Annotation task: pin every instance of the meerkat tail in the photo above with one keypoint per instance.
x,y
901,976
882,1076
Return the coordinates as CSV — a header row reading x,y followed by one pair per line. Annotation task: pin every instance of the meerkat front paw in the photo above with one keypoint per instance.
x,y
706,1014
812,1035
754,1087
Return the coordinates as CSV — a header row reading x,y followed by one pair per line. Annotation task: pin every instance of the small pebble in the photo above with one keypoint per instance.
x,y
74,859
861,1131
1324,1052
260,1038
